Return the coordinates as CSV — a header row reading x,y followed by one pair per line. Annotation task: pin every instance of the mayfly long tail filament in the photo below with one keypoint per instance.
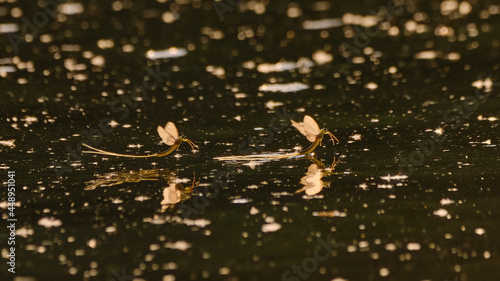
x,y
103,152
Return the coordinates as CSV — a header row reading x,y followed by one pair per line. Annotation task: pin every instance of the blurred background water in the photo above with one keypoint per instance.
x,y
408,88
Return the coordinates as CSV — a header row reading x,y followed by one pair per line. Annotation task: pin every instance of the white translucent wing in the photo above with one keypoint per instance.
x,y
165,137
311,128
311,138
168,134
299,126
171,129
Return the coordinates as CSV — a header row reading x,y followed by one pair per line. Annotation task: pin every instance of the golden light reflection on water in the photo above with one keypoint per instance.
x,y
120,177
174,193
312,182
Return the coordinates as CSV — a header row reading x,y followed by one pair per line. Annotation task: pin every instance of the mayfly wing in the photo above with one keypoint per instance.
x,y
299,126
172,130
168,134
165,137
311,128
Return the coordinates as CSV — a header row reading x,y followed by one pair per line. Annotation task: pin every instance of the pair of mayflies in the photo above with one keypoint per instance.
x,y
170,136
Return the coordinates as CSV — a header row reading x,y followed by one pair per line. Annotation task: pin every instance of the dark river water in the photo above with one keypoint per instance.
x,y
409,89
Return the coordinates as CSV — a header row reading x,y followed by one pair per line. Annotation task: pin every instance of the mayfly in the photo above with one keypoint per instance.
x,y
168,134
313,133
308,128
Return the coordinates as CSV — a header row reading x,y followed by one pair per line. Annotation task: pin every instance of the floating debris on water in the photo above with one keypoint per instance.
x,y
371,86
284,87
5,69
302,63
321,57
9,143
8,28
49,222
166,54
426,55
71,8
241,201
330,214
487,84
271,227
178,245
441,213
394,177
273,104
322,24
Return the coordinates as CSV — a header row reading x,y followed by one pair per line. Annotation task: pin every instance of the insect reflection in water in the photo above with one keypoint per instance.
x,y
312,182
174,193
